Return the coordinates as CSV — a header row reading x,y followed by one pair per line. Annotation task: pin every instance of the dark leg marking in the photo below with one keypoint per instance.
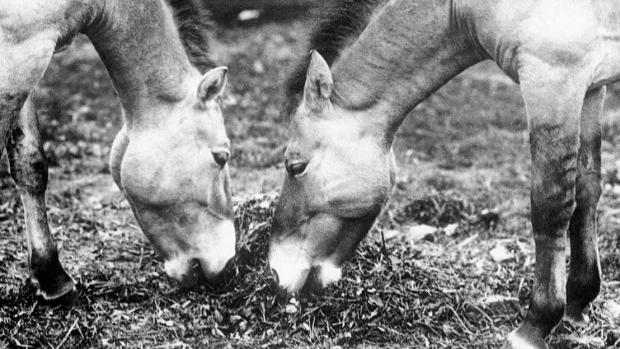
x,y
584,278
554,175
10,105
29,170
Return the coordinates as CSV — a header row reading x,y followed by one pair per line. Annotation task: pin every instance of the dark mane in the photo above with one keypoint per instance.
x,y
194,24
339,24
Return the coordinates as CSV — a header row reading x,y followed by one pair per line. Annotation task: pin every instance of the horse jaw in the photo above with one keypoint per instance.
x,y
116,155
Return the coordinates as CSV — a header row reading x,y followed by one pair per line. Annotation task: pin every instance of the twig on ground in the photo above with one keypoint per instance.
x,y
68,333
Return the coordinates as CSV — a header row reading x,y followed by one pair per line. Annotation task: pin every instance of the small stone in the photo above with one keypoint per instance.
x,y
258,67
612,310
235,318
450,229
248,15
500,254
290,309
389,234
421,232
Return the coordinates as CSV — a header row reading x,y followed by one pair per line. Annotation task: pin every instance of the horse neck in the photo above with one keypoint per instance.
x,y
408,50
139,44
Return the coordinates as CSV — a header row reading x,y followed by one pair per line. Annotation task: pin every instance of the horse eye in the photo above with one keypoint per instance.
x,y
221,157
295,168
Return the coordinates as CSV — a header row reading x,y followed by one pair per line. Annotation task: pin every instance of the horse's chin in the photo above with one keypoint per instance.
x,y
296,275
196,247
311,258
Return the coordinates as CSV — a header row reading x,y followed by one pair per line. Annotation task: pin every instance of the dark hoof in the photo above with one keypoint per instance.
x,y
522,339
69,298
54,285
62,293
575,316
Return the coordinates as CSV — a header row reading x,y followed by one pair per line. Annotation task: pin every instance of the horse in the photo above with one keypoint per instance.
x,y
170,157
382,58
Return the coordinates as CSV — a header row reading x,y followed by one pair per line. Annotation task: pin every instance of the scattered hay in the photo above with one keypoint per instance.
x,y
438,209
389,295
253,223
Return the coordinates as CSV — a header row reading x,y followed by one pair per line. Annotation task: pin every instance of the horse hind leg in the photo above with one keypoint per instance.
x,y
553,99
584,278
29,170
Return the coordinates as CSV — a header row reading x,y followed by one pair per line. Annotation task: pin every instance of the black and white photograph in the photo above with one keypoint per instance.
x,y
364,174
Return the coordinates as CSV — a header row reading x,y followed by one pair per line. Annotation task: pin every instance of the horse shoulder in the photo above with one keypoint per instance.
x,y
60,20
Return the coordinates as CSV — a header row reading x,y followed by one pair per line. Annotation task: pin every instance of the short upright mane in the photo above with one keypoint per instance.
x,y
194,25
338,26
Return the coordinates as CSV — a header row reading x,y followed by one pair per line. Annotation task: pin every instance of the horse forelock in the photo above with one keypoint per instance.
x,y
194,25
339,26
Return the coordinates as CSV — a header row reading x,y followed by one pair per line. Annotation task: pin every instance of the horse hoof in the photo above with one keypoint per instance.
x,y
519,340
63,294
575,316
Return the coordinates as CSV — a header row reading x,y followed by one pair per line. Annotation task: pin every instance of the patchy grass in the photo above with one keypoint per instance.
x,y
461,152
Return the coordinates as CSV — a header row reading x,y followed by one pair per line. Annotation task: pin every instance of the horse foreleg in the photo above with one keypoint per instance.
x,y
10,105
29,170
584,278
553,101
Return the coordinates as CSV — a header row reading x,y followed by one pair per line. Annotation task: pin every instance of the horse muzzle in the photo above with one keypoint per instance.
x,y
207,260
190,272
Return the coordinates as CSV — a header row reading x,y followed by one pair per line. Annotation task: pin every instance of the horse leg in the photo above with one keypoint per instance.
x,y
29,170
553,99
584,277
23,63
10,104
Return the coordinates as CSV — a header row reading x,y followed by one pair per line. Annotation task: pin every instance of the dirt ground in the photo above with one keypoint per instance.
x,y
462,152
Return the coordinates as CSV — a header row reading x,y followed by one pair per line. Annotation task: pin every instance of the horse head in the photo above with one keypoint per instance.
x,y
339,174
174,174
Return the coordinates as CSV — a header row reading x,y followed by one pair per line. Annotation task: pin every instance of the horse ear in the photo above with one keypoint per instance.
x,y
212,84
319,83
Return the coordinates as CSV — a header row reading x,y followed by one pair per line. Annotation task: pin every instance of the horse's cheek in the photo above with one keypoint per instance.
x,y
140,179
121,142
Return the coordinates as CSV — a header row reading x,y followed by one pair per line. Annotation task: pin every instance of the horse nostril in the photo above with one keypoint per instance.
x,y
274,276
295,168
221,157
313,285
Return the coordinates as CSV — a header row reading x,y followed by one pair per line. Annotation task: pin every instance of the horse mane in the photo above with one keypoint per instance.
x,y
194,25
340,24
